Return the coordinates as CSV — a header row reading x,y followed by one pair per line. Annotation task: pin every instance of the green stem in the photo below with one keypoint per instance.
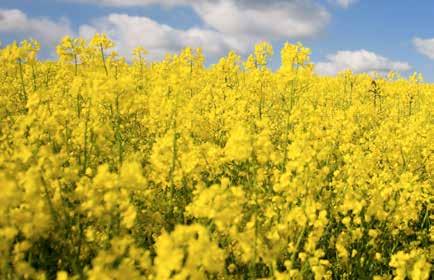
x,y
103,59
23,88
34,78
75,64
174,155
300,237
118,133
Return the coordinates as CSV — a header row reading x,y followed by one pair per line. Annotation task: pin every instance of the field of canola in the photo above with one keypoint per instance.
x,y
116,169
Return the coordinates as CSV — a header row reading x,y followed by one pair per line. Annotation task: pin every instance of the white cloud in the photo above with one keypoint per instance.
x,y
253,20
42,29
227,24
344,3
121,3
360,61
425,46
132,31
260,20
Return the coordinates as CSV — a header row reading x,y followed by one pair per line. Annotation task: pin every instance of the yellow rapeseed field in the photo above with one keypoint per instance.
x,y
119,169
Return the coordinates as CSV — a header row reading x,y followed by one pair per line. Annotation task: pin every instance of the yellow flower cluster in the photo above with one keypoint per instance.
x,y
130,169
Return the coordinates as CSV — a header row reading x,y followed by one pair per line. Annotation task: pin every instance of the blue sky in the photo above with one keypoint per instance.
x,y
363,35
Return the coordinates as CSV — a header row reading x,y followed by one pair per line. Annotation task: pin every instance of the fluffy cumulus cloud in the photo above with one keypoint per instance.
x,y
359,61
344,3
43,29
264,19
424,46
132,31
251,18
123,3
226,24
234,24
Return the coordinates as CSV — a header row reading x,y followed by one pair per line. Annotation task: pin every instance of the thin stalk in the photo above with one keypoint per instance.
x,y
118,133
297,245
261,101
141,66
85,142
288,114
174,156
23,88
34,78
75,64
103,59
